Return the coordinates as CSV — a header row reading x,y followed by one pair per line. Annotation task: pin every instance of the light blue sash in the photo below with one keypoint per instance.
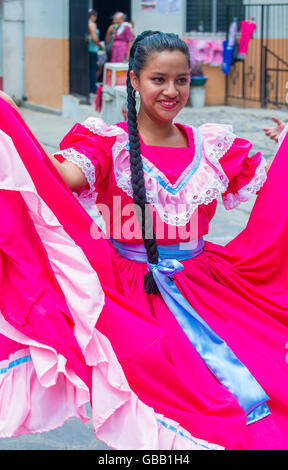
x,y
216,354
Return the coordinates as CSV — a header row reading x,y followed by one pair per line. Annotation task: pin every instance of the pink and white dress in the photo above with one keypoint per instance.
x,y
122,37
94,333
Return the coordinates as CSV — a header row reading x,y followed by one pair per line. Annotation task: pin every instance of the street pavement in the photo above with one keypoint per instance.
x,y
49,129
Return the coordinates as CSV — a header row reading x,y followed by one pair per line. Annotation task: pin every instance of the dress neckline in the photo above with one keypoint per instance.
x,y
189,131
183,129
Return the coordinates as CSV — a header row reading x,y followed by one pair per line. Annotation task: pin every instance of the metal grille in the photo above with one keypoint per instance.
x,y
199,15
263,74
237,8
210,15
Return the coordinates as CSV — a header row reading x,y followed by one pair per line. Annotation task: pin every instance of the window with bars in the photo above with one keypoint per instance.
x,y
210,16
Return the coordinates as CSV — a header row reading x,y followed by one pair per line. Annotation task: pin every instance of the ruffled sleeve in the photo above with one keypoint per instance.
x,y
242,175
87,146
246,174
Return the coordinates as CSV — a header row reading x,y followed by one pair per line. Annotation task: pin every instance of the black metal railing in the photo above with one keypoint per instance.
x,y
262,75
275,79
209,16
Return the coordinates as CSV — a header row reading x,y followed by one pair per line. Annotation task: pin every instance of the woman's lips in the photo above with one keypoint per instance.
x,y
168,104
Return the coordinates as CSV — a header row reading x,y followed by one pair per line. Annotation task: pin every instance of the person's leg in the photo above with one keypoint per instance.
x,y
93,71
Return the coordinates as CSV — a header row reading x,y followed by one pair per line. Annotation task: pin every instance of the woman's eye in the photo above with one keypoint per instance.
x,y
183,81
157,79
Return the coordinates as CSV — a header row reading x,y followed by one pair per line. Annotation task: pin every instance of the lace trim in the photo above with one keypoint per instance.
x,y
98,126
244,194
282,135
172,210
177,214
83,163
215,152
207,184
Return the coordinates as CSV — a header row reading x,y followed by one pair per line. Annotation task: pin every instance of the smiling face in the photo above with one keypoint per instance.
x,y
118,19
163,85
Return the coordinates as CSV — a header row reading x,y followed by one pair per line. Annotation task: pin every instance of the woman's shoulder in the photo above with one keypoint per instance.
x,y
92,134
97,127
123,125
217,138
127,25
92,25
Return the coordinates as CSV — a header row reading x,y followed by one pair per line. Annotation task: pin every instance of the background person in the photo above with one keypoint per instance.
x,y
93,47
122,34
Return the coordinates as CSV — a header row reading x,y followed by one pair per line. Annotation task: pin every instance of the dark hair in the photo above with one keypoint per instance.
x,y
144,45
119,13
92,12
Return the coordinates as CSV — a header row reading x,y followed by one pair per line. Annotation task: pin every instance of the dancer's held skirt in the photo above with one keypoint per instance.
x,y
76,327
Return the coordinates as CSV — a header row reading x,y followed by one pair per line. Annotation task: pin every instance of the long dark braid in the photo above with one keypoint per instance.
x,y
143,45
137,174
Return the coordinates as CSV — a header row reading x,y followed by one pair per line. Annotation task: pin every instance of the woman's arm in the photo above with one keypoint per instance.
x,y
275,133
109,33
128,50
70,172
268,165
94,34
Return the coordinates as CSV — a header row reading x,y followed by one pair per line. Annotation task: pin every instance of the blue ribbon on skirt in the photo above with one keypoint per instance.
x,y
214,351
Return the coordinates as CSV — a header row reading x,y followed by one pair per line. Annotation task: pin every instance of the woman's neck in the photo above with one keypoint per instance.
x,y
164,133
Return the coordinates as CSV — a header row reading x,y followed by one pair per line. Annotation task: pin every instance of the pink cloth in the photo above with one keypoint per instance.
x,y
217,53
240,290
241,299
202,51
236,167
247,29
120,43
53,358
205,52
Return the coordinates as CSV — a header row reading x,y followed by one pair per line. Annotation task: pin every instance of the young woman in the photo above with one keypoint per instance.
x,y
93,48
200,330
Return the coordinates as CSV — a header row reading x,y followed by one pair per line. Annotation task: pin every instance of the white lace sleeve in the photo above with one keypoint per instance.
x,y
82,162
87,196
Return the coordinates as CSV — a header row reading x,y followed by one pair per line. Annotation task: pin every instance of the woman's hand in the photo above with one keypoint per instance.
x,y
275,131
9,100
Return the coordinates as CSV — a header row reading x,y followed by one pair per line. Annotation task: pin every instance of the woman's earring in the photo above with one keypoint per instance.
x,y
134,93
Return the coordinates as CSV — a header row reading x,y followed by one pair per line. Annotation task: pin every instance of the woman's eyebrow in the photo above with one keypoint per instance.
x,y
178,75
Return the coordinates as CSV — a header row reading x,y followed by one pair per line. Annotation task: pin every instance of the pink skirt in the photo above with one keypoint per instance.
x,y
119,51
240,290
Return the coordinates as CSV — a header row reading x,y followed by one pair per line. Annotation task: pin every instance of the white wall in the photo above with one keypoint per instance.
x,y
275,24
13,48
27,18
155,20
47,18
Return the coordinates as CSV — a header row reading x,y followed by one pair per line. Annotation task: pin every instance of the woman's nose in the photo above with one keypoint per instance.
x,y
171,89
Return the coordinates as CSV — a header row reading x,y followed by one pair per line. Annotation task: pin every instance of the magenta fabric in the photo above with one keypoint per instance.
x,y
247,29
120,44
240,290
236,163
